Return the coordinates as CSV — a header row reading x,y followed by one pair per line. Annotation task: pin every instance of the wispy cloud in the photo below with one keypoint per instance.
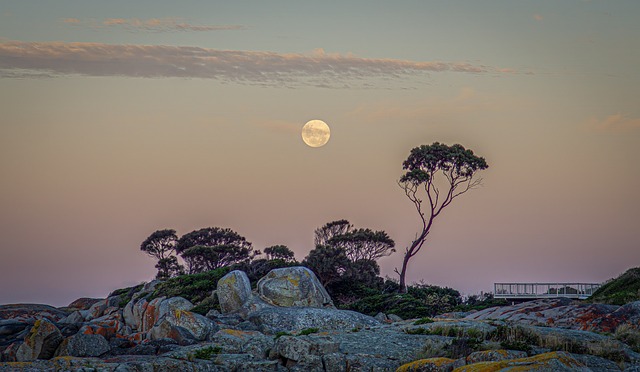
x,y
617,123
149,25
254,67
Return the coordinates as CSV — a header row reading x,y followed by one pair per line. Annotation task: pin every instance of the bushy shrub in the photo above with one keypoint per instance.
x,y
126,294
619,291
209,303
193,287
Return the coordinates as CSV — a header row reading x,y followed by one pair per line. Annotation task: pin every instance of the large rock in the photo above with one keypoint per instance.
x,y
234,289
164,329
236,341
82,345
293,286
554,361
272,320
31,311
198,325
439,364
564,313
142,315
41,342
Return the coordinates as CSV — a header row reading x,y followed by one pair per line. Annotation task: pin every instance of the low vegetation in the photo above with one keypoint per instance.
x,y
205,353
619,291
194,287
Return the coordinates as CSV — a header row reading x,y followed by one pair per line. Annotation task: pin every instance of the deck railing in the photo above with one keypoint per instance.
x,y
544,290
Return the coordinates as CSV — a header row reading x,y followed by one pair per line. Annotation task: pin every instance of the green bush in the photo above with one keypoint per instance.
x,y
516,345
206,352
420,301
280,334
126,294
619,291
193,287
308,331
209,303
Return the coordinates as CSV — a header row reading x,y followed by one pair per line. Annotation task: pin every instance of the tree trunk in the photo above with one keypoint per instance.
x,y
403,273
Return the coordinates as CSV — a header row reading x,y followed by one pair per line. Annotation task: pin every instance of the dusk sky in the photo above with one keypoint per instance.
x,y
119,118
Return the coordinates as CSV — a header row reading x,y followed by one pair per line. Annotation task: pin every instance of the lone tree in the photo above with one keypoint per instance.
x,y
439,173
161,244
213,247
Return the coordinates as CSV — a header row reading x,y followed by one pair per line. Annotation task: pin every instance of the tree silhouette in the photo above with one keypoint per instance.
x,y
279,252
160,243
439,173
330,229
213,247
364,244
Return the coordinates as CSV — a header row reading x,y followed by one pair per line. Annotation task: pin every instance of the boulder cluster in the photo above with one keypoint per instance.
x,y
289,323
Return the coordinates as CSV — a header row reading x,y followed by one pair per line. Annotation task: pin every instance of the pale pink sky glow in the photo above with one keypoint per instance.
x,y
117,122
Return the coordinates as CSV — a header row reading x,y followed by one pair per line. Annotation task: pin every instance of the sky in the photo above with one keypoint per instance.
x,y
120,118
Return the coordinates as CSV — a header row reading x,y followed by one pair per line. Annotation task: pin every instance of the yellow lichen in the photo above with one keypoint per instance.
x,y
521,364
418,364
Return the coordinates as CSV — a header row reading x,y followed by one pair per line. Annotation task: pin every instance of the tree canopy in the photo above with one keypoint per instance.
x,y
364,244
435,175
279,252
160,243
213,247
331,229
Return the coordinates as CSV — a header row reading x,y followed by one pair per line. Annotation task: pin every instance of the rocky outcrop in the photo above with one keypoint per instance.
x,y
267,329
564,313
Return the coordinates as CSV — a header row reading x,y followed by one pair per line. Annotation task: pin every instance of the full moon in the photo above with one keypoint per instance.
x,y
316,133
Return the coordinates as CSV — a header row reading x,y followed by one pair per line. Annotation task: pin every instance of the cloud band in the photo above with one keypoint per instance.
x,y
158,61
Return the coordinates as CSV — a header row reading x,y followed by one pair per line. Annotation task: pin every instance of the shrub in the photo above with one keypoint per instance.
x,y
629,335
516,345
193,287
308,331
402,305
209,303
205,352
420,301
423,321
619,291
126,294
280,334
